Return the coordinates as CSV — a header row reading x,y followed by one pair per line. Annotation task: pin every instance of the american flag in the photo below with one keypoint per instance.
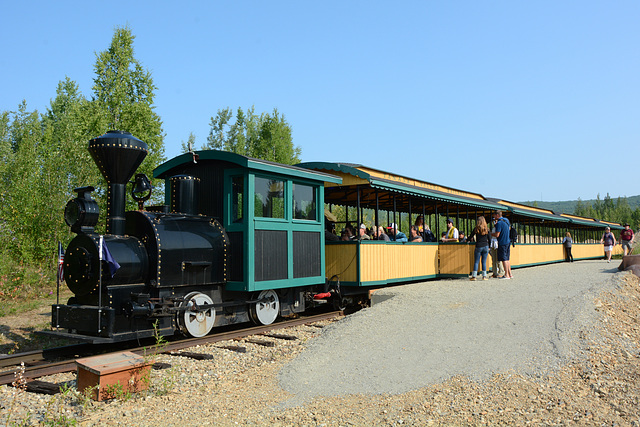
x,y
60,262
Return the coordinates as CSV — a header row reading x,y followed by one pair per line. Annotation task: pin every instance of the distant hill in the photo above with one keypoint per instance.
x,y
569,206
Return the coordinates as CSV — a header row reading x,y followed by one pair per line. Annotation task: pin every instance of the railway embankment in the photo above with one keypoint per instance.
x,y
557,345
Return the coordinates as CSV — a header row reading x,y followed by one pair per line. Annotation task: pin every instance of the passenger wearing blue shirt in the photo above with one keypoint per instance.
x,y
395,235
501,232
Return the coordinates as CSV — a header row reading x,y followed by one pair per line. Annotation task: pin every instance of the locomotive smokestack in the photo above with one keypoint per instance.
x,y
117,154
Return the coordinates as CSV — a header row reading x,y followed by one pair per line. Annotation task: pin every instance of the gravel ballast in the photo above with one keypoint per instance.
x,y
557,345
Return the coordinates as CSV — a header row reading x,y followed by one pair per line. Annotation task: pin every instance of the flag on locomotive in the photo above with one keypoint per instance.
x,y
60,263
105,255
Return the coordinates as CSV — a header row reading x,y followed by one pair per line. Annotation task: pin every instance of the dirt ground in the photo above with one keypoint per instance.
x,y
18,332
602,390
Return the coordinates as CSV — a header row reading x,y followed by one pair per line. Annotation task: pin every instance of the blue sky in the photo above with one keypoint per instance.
x,y
513,100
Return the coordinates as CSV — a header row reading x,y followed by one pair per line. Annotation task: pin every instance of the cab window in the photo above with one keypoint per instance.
x,y
237,194
304,202
269,198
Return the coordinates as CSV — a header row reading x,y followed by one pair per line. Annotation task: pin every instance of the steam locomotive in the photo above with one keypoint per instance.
x,y
238,239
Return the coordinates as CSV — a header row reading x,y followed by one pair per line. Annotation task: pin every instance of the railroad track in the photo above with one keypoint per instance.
x,y
40,367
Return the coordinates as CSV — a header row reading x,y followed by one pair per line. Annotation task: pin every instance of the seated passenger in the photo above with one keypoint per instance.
x,y
414,234
427,234
451,235
424,231
362,233
395,235
462,238
351,229
346,235
329,229
379,234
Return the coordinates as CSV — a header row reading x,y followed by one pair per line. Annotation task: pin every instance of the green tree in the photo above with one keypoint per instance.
x,y
66,160
597,207
635,219
123,96
622,211
22,178
267,136
44,158
580,208
5,145
608,209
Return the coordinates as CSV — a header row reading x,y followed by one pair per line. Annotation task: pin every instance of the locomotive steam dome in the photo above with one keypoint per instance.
x,y
117,154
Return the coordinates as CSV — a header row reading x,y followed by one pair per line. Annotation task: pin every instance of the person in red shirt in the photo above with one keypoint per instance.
x,y
626,237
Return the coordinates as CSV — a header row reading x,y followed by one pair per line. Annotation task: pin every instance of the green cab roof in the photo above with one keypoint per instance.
x,y
166,169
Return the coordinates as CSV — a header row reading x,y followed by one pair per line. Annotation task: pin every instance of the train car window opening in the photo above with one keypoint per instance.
x,y
237,201
304,202
269,198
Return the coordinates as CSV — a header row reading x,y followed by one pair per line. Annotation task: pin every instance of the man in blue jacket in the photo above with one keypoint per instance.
x,y
501,232
395,235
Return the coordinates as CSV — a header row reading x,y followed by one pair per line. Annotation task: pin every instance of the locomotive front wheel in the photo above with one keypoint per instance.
x,y
193,321
266,310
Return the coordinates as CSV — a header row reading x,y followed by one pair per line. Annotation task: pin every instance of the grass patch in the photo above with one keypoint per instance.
x,y
25,288
15,306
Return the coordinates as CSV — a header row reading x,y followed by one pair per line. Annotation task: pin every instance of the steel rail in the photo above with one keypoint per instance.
x,y
41,356
33,372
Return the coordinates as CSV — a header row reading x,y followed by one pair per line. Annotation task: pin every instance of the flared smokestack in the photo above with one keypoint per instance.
x,y
117,154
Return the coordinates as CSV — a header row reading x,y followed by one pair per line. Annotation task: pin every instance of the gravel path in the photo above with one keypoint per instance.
x,y
429,332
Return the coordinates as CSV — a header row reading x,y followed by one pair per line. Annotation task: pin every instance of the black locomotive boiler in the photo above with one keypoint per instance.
x,y
176,267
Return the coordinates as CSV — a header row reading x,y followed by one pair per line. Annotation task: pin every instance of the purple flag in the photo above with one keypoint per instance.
x,y
60,262
105,255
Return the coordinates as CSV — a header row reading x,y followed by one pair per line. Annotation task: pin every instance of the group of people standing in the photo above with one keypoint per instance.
x,y
497,241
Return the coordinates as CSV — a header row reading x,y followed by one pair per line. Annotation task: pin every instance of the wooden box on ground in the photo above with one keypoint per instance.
x,y
112,375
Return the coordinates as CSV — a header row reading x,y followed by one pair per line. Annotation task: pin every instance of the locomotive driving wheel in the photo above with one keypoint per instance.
x,y
266,310
195,321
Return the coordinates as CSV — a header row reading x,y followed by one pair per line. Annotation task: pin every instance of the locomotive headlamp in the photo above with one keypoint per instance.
x,y
140,186
81,213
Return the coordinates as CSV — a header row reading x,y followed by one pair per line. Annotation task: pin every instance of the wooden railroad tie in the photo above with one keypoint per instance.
x,y
160,365
261,342
197,356
43,387
282,336
236,348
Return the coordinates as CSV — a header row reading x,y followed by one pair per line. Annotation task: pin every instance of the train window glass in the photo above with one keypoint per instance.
x,y
304,202
237,193
269,198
